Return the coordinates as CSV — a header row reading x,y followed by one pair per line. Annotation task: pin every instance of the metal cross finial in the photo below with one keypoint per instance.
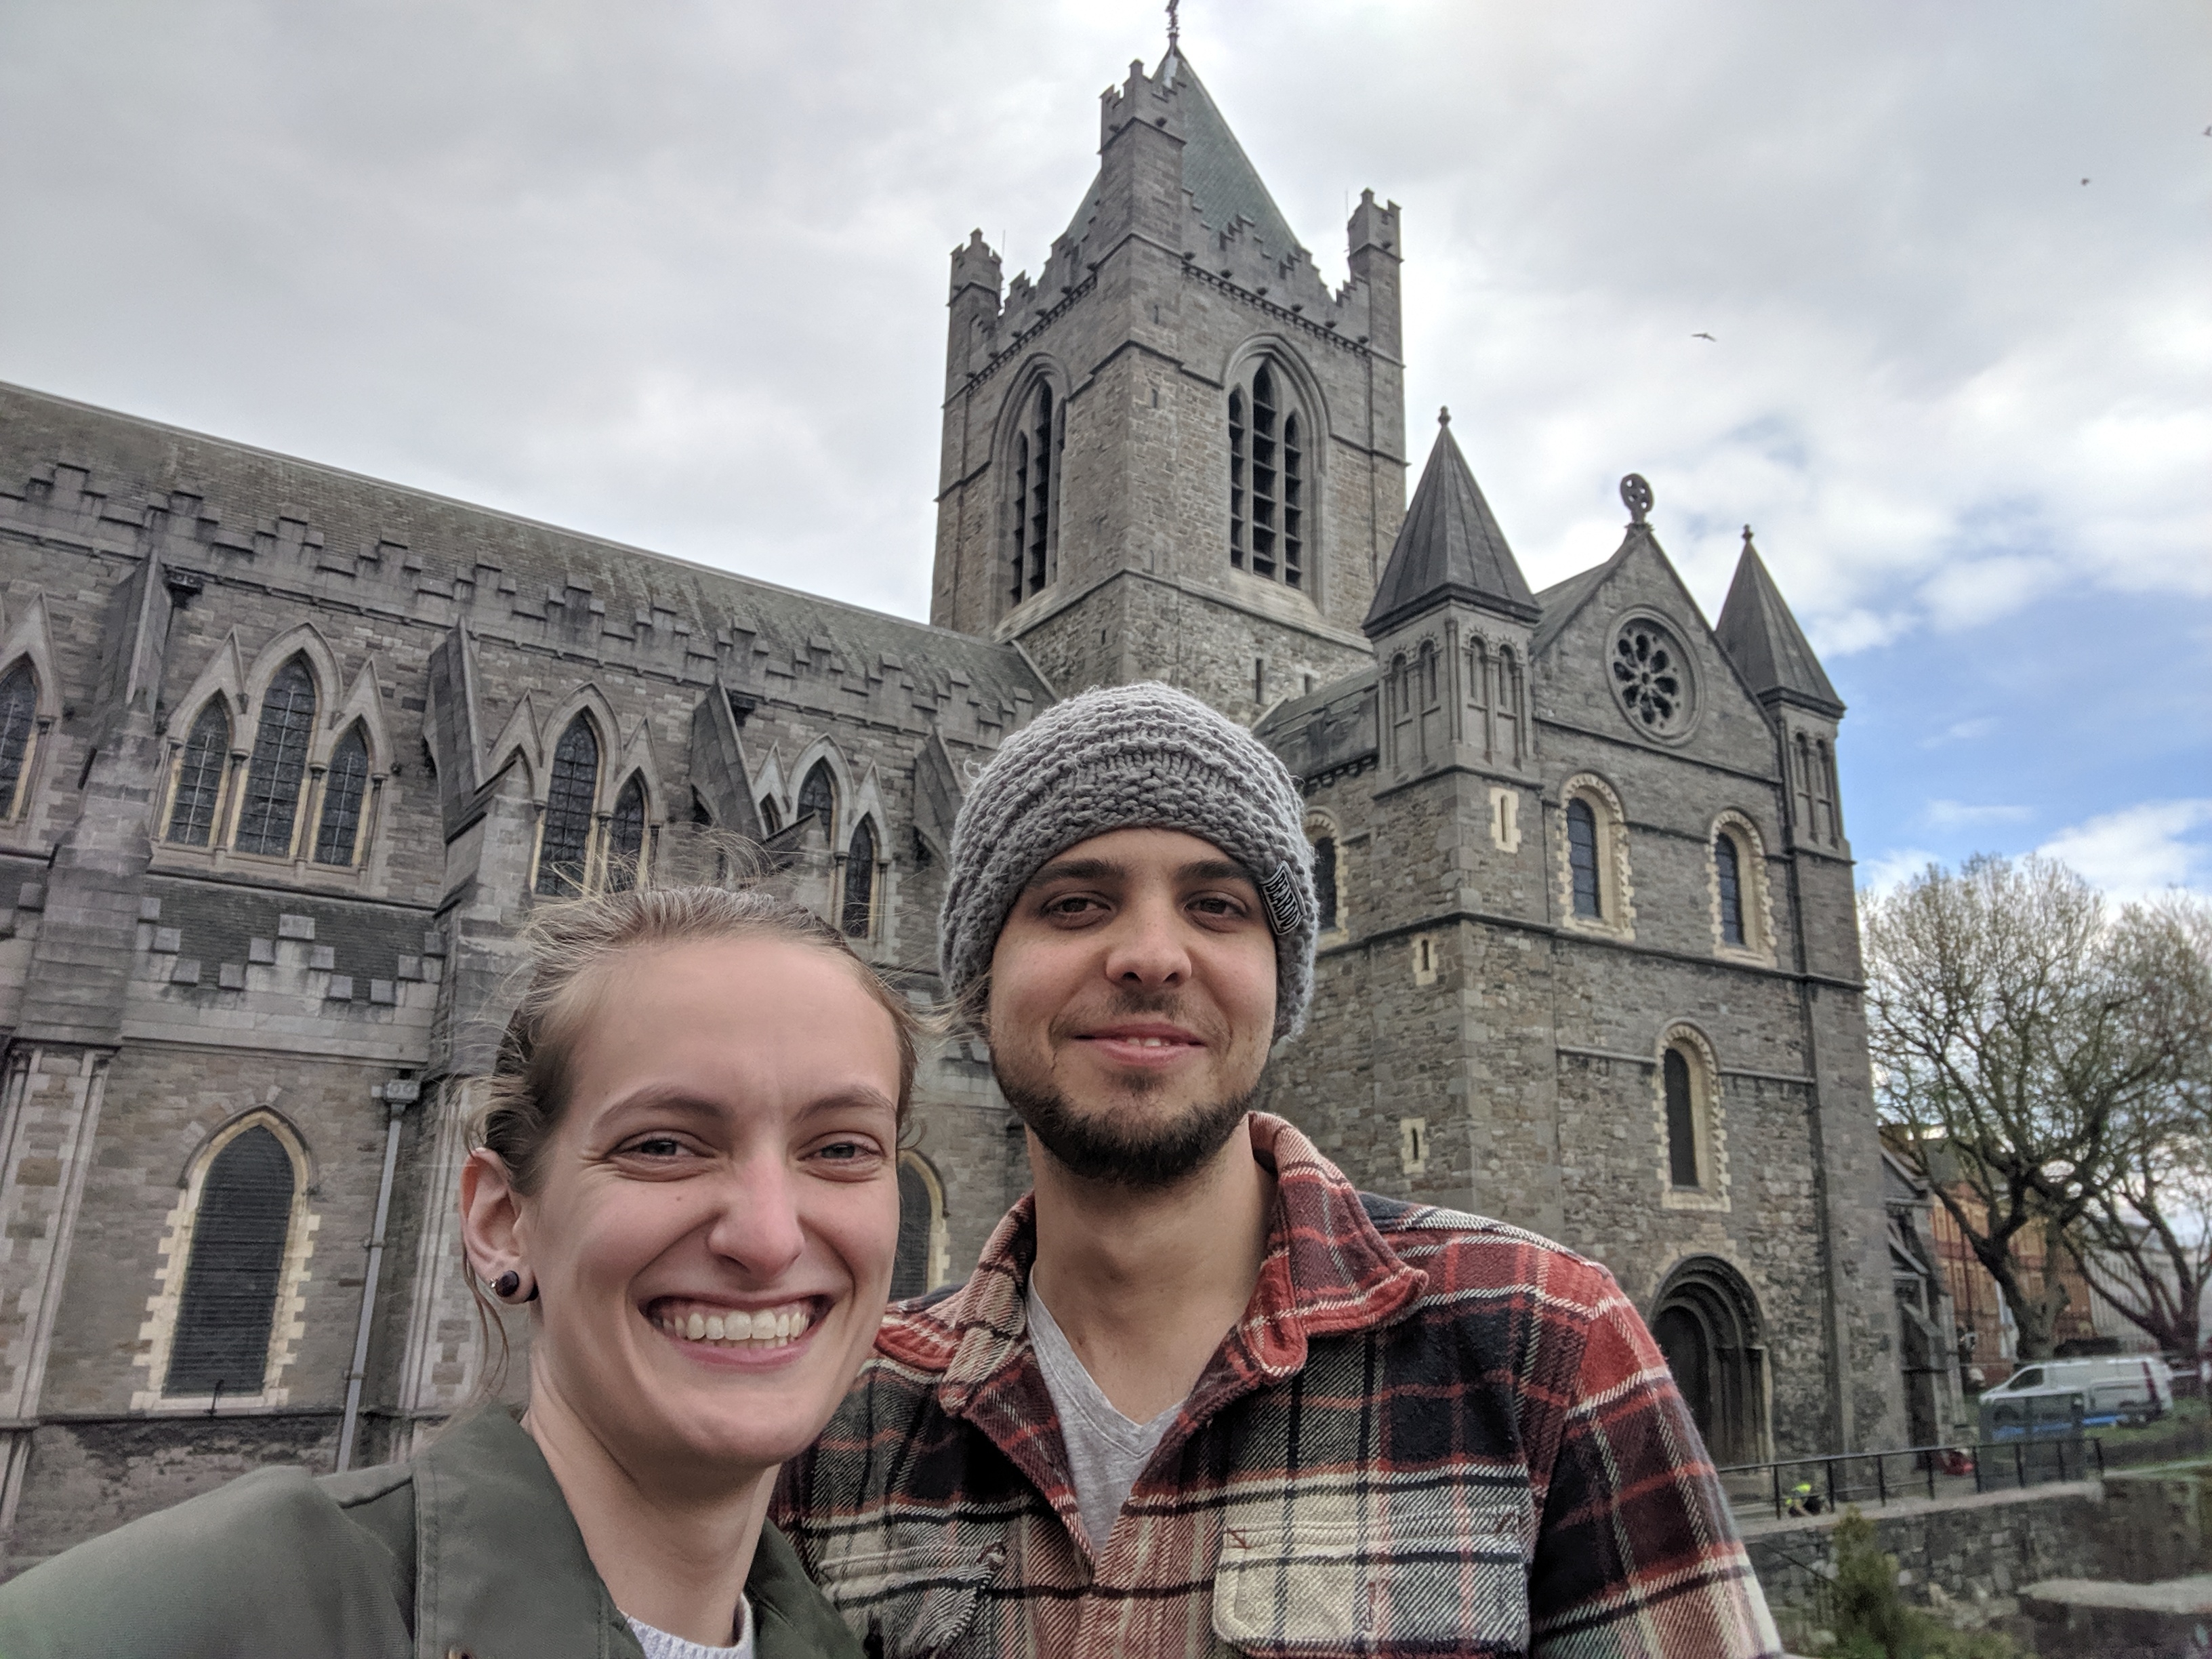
x,y
1747,539
1636,496
1174,30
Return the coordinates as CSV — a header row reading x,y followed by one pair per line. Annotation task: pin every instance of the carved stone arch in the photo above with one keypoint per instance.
x,y
301,640
590,701
1708,1323
639,758
364,702
27,648
223,675
769,784
30,638
1697,1070
1289,356
1616,914
1023,564
518,740
824,749
286,1326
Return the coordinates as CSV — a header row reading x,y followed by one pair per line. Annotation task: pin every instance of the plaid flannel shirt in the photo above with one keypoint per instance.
x,y
1431,1434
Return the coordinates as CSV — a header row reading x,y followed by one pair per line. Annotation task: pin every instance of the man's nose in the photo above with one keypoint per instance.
x,y
1147,948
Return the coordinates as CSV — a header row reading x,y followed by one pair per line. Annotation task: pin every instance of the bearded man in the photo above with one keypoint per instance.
x,y
1201,1396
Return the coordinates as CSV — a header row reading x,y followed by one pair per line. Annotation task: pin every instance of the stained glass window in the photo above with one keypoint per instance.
x,y
859,909
566,840
626,836
199,776
279,766
344,787
19,708
818,796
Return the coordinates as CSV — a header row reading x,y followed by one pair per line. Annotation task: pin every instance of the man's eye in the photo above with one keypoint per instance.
x,y
1216,904
655,1146
1071,904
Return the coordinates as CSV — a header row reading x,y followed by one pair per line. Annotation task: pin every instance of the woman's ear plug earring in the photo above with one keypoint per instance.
x,y
506,1284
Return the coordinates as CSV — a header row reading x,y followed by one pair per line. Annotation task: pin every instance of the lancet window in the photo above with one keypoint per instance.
x,y
1582,858
1681,1120
564,842
199,777
860,907
818,798
279,768
1268,465
1036,503
345,786
229,1300
19,713
626,836
1728,866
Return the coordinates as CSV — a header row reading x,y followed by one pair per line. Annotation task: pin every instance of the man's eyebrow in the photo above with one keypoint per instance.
x,y
1215,870
1077,870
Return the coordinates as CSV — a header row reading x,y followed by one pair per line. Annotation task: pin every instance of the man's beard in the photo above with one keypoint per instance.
x,y
1098,1148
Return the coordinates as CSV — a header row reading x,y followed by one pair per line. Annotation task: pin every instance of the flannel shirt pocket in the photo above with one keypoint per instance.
x,y
1320,1589
914,1602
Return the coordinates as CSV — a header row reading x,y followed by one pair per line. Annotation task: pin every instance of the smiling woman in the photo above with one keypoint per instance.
x,y
689,1174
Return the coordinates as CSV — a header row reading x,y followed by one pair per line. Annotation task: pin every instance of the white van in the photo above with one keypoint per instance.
x,y
2112,1388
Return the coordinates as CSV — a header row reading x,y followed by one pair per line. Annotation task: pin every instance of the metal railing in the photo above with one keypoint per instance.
x,y
1824,1484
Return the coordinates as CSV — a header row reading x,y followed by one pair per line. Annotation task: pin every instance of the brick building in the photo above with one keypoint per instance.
x,y
287,755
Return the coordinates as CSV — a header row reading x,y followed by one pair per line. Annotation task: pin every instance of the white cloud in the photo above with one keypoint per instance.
x,y
1891,870
2141,850
1957,815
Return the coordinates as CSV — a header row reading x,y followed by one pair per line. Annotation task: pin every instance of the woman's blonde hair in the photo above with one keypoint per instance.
x,y
572,945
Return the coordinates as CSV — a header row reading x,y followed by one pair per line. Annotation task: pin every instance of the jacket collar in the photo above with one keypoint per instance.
x,y
501,1571
1327,1272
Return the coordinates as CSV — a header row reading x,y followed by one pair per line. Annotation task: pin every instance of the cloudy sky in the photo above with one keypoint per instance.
x,y
674,273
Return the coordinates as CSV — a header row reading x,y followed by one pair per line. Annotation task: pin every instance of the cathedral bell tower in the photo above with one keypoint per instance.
x,y
1174,454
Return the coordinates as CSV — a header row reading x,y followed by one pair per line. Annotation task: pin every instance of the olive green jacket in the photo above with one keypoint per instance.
x,y
469,1550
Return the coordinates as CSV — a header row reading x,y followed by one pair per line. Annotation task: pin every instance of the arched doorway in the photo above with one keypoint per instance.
x,y
1706,1322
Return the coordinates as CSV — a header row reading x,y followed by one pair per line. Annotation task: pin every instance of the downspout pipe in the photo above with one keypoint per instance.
x,y
398,1096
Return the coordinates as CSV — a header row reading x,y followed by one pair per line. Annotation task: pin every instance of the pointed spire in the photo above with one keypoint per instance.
x,y
1764,642
1449,548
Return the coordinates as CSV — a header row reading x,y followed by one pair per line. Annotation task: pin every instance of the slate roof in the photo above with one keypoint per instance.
x,y
1219,176
1561,600
1764,642
138,462
1449,547
1328,729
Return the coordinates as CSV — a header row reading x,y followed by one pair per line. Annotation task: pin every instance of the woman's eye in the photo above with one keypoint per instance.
x,y
655,1146
848,1152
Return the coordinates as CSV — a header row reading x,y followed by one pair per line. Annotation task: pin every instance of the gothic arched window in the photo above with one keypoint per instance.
x,y
860,908
626,836
1268,445
565,844
771,820
922,1236
279,766
1036,503
1727,865
199,776
229,1299
817,797
1681,1120
19,711
1582,858
344,787
1324,880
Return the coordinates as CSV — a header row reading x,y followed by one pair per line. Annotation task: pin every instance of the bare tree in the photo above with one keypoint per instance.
x,y
2007,1051
2145,1245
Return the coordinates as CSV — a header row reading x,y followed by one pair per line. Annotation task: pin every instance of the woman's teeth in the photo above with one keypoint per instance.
x,y
771,1327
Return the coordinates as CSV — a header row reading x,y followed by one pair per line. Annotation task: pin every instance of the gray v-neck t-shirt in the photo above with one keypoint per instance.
x,y
1106,1451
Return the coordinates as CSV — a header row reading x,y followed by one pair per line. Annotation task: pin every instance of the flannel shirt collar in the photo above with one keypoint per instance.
x,y
1327,1272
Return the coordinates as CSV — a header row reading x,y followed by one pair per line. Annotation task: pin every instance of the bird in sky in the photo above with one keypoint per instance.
x,y
2085,181
1702,335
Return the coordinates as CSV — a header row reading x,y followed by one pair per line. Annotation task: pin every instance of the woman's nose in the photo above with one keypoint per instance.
x,y
757,1223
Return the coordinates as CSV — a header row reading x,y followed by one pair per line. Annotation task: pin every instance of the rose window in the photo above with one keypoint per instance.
x,y
1651,678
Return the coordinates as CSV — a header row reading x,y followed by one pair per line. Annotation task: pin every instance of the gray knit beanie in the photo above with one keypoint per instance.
x,y
1142,756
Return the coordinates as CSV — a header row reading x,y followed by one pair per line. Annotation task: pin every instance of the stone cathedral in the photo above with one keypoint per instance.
x,y
287,755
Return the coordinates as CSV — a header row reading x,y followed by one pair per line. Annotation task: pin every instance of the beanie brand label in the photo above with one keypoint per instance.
x,y
1280,891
